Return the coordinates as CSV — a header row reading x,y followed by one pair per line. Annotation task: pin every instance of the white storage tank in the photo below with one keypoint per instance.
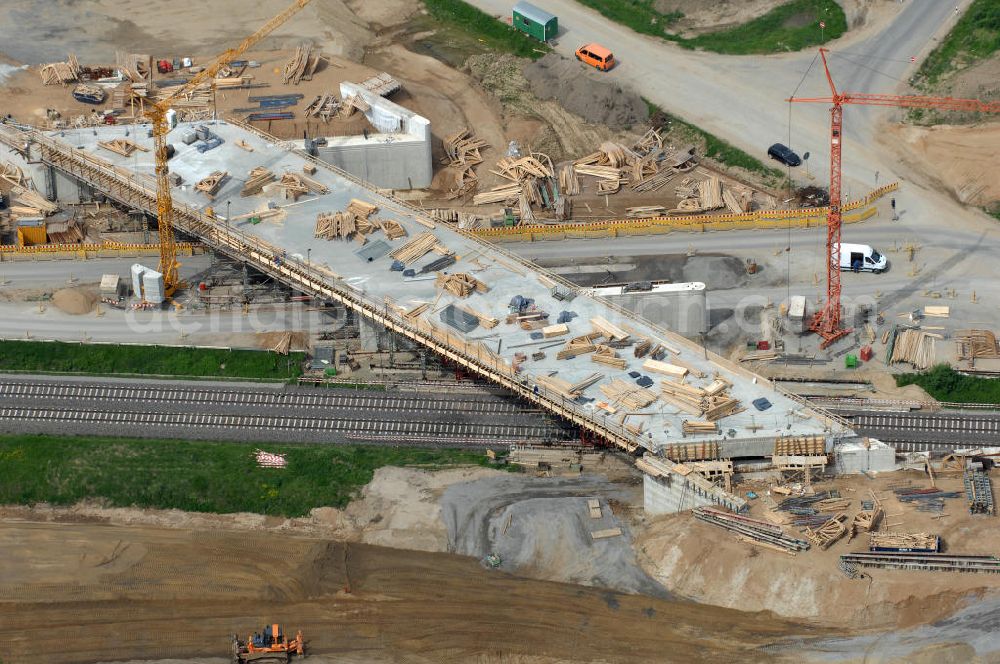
x,y
152,287
136,271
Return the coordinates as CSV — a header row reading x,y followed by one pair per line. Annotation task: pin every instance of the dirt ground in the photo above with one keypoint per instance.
x,y
704,563
964,158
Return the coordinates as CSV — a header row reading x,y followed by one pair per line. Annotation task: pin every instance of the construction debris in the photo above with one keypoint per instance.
x,y
302,65
382,84
460,284
59,73
211,184
122,146
913,346
976,344
756,530
626,395
30,203
259,177
415,249
825,535
284,344
904,542
297,184
608,356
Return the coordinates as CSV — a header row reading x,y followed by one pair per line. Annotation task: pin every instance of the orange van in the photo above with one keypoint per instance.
x,y
596,55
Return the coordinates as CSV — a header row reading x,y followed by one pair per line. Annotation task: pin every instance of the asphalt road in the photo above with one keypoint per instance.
x,y
742,99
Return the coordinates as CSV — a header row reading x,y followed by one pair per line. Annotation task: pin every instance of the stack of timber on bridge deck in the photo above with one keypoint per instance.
x,y
519,294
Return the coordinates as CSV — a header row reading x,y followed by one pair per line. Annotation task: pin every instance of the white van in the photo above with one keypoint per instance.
x,y
862,258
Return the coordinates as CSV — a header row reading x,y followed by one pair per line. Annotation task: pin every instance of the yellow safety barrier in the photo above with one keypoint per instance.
x,y
770,219
107,249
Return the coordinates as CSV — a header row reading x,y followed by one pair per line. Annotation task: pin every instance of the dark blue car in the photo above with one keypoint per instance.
x,y
784,154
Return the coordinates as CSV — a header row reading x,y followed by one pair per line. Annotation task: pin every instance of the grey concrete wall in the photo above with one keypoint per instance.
x,y
669,495
854,458
394,165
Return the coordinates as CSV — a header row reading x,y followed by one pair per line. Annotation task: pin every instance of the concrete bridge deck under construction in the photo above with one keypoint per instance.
x,y
337,270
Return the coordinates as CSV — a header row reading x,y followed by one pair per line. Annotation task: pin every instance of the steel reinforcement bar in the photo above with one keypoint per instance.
x,y
929,562
140,192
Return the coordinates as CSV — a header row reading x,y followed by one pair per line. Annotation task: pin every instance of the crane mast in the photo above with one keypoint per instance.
x,y
157,114
827,322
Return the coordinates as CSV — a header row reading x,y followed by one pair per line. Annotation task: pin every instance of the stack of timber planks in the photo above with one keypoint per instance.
x,y
976,344
626,395
211,184
259,177
461,284
352,222
302,65
122,146
298,184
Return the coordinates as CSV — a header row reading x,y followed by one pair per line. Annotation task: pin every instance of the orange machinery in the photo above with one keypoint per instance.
x,y
269,645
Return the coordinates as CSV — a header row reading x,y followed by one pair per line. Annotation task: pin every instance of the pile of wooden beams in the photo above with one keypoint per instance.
x,y
134,66
461,284
58,73
29,203
712,402
569,183
903,541
607,356
302,65
626,395
463,147
323,106
12,173
122,146
710,193
609,330
976,344
415,249
381,84
211,184
913,346
578,346
284,344
521,168
738,200
297,184
831,531
567,389
698,427
393,229
259,177
352,222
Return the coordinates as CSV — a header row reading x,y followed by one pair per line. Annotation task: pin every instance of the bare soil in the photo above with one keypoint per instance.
x,y
76,301
584,93
961,158
91,592
706,564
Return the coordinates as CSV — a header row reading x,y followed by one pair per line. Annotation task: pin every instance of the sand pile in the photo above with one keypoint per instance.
x,y
586,93
75,301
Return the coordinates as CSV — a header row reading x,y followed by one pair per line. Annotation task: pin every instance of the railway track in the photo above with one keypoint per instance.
x,y
480,433
913,432
298,399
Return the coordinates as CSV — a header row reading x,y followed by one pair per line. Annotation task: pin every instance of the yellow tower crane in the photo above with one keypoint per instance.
x,y
157,114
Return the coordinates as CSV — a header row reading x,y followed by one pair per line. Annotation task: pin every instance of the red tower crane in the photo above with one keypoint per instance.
x,y
827,321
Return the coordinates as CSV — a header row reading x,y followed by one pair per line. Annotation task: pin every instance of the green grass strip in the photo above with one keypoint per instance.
x,y
198,476
108,359
494,34
792,26
975,36
945,384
